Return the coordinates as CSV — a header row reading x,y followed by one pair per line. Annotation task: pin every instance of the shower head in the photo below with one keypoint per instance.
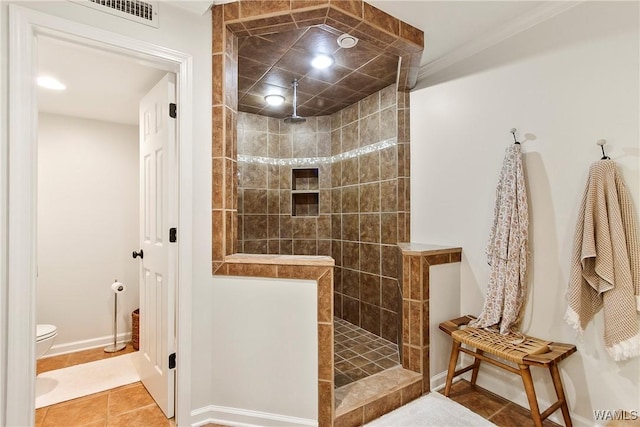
x,y
294,118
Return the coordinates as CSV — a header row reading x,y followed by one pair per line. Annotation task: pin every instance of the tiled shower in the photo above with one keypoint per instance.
x,y
336,186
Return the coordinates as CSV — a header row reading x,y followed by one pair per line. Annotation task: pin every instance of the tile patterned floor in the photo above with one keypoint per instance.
x,y
130,405
492,407
359,353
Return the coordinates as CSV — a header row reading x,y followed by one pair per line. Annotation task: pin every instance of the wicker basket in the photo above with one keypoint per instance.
x,y
135,328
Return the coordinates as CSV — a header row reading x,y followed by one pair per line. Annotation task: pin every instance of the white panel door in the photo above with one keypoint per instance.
x,y
158,271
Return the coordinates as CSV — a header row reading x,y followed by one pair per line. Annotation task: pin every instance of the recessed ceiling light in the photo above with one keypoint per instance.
x,y
50,83
274,99
322,61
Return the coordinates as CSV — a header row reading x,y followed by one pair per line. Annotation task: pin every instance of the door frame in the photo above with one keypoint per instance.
x,y
25,25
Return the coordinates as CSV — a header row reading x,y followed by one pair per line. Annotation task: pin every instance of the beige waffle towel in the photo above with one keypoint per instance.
x,y
605,269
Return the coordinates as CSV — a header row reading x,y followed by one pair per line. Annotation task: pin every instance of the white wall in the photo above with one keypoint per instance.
x,y
88,225
567,82
181,31
265,353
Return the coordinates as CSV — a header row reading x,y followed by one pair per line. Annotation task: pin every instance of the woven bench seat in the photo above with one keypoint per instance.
x,y
530,352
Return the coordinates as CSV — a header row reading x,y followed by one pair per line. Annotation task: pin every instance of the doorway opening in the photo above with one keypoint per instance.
x,y
88,202
27,26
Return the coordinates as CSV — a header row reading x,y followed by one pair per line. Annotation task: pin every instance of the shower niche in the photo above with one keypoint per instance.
x,y
305,192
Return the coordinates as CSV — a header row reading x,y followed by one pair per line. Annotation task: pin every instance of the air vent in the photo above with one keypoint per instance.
x,y
144,12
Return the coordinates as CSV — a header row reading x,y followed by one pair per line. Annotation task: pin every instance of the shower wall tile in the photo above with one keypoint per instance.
x,y
350,227
324,227
369,167
370,129
389,163
370,104
350,171
370,289
351,310
389,264
336,121
273,224
370,197
369,227
370,258
370,317
350,114
350,199
324,247
390,294
389,196
351,255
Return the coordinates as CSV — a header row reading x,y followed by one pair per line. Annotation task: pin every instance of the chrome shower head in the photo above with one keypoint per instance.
x,y
295,118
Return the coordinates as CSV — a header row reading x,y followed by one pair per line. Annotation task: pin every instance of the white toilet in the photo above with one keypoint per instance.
x,y
45,335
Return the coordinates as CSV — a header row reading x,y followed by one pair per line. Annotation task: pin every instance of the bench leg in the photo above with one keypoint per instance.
x,y
525,373
476,367
557,384
453,361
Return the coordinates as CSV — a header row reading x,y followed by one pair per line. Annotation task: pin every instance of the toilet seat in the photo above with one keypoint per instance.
x,y
44,332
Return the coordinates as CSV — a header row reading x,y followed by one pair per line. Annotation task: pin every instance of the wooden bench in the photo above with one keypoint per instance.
x,y
531,352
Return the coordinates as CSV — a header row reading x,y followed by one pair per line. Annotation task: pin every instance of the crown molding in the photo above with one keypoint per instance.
x,y
515,26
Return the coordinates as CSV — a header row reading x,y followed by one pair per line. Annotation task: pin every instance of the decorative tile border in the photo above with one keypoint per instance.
x,y
313,161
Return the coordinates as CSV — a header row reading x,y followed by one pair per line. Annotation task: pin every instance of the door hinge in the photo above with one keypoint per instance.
x,y
173,235
173,110
172,361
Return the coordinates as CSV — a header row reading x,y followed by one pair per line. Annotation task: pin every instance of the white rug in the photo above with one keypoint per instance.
x,y
82,380
432,410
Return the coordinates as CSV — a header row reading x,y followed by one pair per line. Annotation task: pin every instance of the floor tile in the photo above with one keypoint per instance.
x,y
126,399
356,348
150,416
478,400
512,415
78,412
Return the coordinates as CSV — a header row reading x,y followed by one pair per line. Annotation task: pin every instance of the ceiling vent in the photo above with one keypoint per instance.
x,y
144,12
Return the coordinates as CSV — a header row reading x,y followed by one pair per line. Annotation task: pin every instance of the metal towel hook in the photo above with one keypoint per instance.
x,y
513,132
601,143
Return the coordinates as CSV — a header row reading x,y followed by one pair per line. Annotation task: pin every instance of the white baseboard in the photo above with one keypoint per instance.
x,y
245,418
71,347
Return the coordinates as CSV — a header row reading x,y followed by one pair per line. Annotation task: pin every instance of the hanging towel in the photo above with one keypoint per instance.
x,y
507,250
605,267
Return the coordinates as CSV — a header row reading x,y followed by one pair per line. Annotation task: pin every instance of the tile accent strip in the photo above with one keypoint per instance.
x,y
312,161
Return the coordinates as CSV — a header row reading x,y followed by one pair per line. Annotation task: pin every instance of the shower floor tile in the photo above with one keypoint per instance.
x,y
360,353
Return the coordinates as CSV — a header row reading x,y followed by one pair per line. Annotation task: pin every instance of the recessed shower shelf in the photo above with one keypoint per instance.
x,y
305,196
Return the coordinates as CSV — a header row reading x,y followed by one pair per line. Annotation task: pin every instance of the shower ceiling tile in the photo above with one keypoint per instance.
x,y
269,63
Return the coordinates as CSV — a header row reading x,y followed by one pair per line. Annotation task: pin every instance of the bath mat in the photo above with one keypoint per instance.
x,y
432,410
82,380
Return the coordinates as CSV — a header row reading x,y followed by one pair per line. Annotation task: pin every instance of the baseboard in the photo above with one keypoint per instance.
x,y
72,347
244,418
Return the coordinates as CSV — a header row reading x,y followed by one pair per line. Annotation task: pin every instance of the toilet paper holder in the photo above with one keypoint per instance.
x,y
117,288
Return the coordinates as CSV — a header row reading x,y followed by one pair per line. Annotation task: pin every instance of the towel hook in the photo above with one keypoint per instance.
x,y
601,143
513,132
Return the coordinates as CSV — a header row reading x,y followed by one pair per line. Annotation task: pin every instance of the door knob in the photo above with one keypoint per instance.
x,y
138,254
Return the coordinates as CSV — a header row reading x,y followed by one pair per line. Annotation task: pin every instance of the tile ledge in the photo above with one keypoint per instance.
x,y
363,392
310,260
410,248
